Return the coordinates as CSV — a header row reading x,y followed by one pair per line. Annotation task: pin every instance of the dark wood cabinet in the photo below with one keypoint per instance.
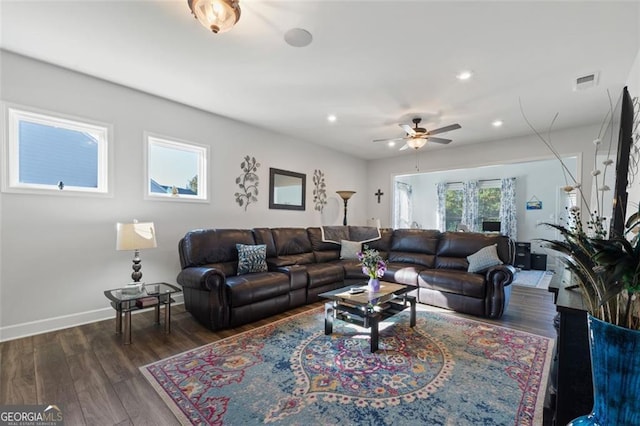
x,y
570,389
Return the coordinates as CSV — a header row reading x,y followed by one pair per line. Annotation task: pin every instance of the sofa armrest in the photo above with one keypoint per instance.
x,y
297,275
202,278
498,290
501,274
205,295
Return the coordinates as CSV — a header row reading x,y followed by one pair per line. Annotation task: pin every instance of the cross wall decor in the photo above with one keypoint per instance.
x,y
379,194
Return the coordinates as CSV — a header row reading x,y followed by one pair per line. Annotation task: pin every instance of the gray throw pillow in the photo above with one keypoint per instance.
x,y
484,259
349,249
251,258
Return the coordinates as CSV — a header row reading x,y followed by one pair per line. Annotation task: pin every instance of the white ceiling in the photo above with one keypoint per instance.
x,y
372,63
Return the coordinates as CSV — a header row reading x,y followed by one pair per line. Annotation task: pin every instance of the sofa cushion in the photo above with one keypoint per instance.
x,y
450,281
321,274
322,250
349,250
456,246
208,246
252,288
414,246
264,236
484,259
251,258
383,245
402,273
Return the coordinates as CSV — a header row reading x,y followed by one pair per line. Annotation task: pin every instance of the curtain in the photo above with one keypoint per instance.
x,y
470,205
508,217
441,189
403,206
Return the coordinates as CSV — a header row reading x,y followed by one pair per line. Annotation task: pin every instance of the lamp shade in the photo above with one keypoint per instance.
x,y
416,143
135,236
345,195
217,15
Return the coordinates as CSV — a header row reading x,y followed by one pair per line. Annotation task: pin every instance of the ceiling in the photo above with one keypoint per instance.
x,y
374,64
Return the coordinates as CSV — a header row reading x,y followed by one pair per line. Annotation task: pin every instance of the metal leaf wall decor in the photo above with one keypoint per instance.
x,y
247,182
319,190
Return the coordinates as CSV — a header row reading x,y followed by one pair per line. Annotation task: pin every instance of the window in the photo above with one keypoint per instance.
x,y
454,200
176,170
50,153
489,199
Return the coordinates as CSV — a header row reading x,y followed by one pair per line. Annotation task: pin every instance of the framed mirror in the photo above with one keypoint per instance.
x,y
286,190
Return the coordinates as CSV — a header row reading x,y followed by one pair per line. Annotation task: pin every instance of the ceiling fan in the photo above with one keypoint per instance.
x,y
417,137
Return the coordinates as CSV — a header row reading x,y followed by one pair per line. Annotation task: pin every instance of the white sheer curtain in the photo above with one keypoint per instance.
x,y
403,206
441,189
470,205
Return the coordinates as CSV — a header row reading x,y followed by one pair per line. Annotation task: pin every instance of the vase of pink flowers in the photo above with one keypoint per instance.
x,y
372,266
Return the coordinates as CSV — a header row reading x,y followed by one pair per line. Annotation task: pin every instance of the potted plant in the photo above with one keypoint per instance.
x,y
607,271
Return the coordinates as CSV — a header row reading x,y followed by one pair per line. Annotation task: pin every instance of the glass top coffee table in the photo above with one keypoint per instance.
x,y
367,309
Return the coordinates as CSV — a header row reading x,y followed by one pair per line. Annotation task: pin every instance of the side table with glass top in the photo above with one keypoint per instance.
x,y
124,301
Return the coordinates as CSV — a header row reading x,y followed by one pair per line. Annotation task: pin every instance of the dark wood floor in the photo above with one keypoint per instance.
x,y
96,380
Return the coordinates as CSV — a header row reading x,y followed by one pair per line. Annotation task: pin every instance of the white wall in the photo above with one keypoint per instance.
x,y
58,252
633,84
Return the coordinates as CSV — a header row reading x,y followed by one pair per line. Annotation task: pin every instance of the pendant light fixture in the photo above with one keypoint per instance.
x,y
217,15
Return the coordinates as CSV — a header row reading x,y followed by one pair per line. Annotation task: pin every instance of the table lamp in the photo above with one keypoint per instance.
x,y
135,236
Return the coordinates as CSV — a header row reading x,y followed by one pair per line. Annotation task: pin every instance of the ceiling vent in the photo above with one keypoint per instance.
x,y
586,81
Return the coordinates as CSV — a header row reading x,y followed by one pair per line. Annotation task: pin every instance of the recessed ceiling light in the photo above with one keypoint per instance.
x,y
297,37
464,75
331,118
391,144
497,123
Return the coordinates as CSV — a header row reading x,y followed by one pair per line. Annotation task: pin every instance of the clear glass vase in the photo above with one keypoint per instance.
x,y
374,284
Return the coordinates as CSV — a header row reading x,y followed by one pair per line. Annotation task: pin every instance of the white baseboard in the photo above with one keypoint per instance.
x,y
32,328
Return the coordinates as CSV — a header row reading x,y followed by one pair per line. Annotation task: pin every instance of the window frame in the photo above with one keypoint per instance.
x,y
175,143
13,114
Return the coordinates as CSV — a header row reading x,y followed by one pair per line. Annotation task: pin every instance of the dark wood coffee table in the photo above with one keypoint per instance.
x,y
367,309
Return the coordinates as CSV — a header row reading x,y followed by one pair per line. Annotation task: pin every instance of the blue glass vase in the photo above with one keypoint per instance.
x,y
615,364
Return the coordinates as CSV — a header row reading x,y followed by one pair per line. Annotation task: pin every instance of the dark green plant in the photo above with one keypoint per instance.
x,y
248,182
606,270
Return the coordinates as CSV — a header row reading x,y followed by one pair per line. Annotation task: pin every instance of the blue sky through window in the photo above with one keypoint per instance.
x,y
170,166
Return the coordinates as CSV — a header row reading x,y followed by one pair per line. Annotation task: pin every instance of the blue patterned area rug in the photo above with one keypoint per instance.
x,y
445,371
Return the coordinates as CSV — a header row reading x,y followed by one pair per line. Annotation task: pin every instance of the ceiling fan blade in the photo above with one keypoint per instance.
x,y
405,146
408,129
439,140
389,140
444,129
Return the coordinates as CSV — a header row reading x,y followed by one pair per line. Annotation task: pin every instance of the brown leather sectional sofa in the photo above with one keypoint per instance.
x,y
301,266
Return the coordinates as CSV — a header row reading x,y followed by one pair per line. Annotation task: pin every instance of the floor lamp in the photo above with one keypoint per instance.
x,y
345,195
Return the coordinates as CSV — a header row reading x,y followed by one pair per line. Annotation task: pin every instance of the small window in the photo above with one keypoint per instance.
x,y
454,199
50,153
176,170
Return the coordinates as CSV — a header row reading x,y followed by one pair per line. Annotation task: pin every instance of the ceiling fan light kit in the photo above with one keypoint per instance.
x,y
417,137
218,16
